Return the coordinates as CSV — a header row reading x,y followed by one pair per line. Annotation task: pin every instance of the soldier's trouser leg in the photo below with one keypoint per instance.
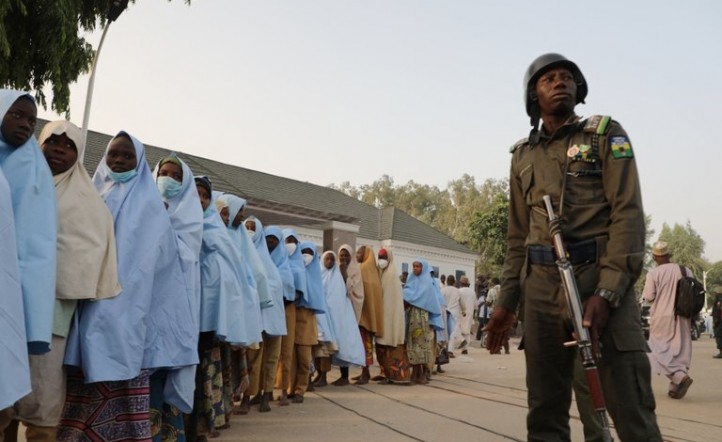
x,y
283,375
271,353
626,375
587,414
549,365
718,337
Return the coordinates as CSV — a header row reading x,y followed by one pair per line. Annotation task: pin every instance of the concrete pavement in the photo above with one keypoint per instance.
x,y
480,398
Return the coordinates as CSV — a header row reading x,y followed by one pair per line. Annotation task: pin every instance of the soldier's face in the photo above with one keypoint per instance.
x,y
556,91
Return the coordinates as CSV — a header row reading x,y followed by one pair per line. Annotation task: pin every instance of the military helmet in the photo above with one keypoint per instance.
x,y
538,67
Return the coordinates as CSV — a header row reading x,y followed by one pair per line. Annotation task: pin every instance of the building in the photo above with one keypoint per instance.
x,y
320,214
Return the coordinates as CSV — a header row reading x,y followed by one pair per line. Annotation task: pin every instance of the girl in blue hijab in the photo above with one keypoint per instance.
x,y
35,214
109,338
262,363
424,314
15,379
174,326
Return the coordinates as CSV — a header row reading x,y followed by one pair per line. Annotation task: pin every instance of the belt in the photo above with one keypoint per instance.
x,y
583,252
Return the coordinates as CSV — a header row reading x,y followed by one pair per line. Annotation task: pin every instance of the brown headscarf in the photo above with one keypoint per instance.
x,y
394,322
354,283
372,314
87,267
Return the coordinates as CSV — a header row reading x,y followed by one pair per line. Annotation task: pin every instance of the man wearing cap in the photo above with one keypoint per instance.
x,y
587,167
670,338
468,301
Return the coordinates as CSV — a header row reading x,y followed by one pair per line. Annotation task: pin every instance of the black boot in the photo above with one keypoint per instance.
x,y
265,399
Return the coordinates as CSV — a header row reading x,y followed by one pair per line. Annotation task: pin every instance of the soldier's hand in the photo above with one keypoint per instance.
x,y
498,328
596,315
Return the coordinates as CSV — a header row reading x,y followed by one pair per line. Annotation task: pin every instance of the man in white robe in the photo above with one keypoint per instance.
x,y
456,310
670,338
468,301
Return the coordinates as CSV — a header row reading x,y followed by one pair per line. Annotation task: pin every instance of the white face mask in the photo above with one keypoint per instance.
x,y
383,263
307,258
251,233
290,247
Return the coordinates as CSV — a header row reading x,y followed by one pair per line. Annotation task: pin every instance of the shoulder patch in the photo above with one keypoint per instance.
x,y
621,147
518,144
597,124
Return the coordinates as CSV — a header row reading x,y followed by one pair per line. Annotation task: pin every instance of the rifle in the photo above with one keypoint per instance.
x,y
576,312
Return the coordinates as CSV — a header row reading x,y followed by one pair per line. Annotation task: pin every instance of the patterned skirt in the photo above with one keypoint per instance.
x,y
208,411
166,421
106,411
394,361
419,337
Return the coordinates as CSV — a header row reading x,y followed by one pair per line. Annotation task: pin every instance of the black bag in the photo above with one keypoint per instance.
x,y
689,298
442,358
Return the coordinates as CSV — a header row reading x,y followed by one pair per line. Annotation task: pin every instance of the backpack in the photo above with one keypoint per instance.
x,y
689,298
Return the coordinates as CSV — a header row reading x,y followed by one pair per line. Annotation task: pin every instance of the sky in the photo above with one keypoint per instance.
x,y
327,91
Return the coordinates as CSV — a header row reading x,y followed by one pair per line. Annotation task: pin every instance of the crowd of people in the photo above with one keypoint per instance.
x,y
143,305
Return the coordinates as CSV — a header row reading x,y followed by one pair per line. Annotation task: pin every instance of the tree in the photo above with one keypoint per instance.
x,y
41,43
489,234
685,246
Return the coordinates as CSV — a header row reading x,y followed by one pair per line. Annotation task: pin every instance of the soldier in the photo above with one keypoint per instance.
x,y
588,169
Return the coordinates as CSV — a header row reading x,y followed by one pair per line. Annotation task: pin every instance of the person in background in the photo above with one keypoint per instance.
x,y
351,273
390,348
468,301
262,363
350,347
455,313
670,336
371,323
423,311
717,323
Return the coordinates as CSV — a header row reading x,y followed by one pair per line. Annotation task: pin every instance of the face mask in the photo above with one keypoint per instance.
x,y
122,177
307,258
168,187
251,233
383,263
291,247
209,211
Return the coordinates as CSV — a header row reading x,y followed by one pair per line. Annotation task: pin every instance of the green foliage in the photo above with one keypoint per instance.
x,y
489,234
685,246
41,44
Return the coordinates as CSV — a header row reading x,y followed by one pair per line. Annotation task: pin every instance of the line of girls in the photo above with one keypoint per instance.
x,y
134,305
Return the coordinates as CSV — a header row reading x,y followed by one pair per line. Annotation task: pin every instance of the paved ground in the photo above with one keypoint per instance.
x,y
479,398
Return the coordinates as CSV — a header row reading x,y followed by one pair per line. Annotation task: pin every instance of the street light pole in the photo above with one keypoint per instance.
x,y
116,8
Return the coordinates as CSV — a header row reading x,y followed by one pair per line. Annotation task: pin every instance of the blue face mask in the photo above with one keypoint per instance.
x,y
209,211
168,187
122,177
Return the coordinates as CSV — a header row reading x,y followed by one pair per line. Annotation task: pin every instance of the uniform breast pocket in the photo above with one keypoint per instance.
x,y
584,183
527,180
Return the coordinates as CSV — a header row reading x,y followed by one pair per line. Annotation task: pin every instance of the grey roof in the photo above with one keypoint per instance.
x,y
279,200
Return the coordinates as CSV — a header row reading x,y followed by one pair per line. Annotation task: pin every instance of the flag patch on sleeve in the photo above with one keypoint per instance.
x,y
621,147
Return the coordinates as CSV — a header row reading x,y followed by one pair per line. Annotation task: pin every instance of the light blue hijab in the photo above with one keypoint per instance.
x,y
173,327
252,314
316,297
108,337
15,379
343,319
225,292
274,317
421,293
279,255
298,270
36,228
